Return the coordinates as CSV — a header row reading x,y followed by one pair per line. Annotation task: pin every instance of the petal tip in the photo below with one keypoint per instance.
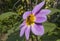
x,y
43,2
38,7
49,11
20,35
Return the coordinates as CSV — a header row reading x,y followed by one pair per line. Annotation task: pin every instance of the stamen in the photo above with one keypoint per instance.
x,y
30,19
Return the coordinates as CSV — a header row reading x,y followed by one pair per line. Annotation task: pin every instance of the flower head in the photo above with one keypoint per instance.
x,y
33,19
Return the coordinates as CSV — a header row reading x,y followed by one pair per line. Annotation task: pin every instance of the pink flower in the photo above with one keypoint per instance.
x,y
33,19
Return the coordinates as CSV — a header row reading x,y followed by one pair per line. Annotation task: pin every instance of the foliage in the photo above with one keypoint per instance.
x,y
8,20
11,12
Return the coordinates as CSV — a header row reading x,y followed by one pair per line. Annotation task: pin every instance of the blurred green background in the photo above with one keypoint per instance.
x,y
11,12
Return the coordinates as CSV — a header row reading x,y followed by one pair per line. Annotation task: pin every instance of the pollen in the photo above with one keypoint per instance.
x,y
30,19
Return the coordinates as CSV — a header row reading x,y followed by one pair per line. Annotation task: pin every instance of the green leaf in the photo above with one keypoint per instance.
x,y
53,37
53,10
47,37
6,15
49,26
58,39
15,37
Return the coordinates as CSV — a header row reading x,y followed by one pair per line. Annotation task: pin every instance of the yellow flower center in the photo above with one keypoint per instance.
x,y
30,19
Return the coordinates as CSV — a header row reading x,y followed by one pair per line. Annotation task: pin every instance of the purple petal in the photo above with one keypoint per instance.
x,y
40,19
27,33
37,29
22,31
38,7
26,14
44,12
21,25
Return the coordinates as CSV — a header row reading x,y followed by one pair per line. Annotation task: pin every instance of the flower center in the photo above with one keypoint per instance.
x,y
30,19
